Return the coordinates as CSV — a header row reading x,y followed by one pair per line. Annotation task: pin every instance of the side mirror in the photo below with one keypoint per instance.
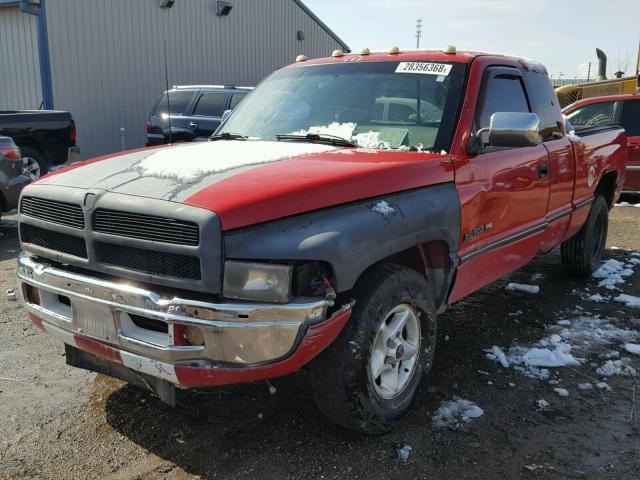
x,y
514,129
225,115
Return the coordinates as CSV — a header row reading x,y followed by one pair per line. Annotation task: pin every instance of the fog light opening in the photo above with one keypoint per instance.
x,y
187,335
31,294
193,336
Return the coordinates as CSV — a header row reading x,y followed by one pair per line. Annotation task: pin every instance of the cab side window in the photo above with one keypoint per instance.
x,y
630,118
593,115
502,93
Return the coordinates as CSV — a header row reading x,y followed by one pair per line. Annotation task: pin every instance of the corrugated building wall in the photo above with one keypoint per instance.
x,y
19,67
107,57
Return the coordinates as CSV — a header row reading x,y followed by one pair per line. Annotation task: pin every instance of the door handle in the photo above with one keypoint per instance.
x,y
193,124
543,170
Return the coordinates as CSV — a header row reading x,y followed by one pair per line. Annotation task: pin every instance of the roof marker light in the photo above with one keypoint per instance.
x,y
337,53
450,50
301,58
393,50
365,51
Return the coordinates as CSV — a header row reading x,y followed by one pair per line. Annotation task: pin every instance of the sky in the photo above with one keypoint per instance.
x,y
562,34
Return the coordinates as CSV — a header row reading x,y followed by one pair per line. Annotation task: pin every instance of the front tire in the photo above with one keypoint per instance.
x,y
368,378
582,254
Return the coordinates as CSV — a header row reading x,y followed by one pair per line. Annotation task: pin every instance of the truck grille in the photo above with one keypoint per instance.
x,y
148,261
60,242
146,227
52,211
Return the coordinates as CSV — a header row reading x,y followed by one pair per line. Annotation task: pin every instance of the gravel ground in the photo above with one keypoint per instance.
x,y
58,422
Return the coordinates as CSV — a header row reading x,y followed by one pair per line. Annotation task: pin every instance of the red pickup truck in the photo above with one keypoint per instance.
x,y
343,205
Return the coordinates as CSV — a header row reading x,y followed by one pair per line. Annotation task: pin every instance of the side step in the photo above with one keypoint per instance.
x,y
81,359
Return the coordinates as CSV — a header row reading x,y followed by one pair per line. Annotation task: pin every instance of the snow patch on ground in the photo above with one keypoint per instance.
x,y
557,349
591,330
616,367
521,287
632,348
563,392
404,452
629,300
610,354
496,353
542,404
613,273
455,413
596,297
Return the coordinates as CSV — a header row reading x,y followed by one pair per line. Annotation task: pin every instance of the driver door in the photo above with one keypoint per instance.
x,y
504,192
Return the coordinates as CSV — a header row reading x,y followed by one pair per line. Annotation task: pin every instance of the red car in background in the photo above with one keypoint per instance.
x,y
613,109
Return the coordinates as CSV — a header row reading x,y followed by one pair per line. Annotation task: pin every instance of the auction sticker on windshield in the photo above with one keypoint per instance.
x,y
424,67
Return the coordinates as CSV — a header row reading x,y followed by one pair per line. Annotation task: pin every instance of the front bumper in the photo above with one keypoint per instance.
x,y
242,341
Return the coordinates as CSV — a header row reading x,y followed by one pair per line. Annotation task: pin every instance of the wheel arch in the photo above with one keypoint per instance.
x,y
435,260
607,187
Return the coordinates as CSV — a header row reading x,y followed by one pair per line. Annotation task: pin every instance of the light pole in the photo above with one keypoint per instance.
x,y
418,32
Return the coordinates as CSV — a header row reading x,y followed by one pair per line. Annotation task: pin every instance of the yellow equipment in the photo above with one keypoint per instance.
x,y
572,93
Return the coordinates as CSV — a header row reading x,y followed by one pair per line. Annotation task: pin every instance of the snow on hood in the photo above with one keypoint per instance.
x,y
195,161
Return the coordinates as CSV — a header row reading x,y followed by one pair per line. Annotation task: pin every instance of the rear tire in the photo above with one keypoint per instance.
x,y
368,378
582,254
38,158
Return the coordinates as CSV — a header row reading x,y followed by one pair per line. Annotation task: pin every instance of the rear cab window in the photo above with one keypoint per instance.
x,y
544,103
630,117
177,103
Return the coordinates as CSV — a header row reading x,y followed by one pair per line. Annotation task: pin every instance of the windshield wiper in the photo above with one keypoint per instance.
x,y
227,136
317,138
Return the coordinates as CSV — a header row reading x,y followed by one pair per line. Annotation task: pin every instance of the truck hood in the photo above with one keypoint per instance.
x,y
248,182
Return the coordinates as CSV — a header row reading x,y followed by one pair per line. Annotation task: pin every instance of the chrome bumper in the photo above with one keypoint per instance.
x,y
239,333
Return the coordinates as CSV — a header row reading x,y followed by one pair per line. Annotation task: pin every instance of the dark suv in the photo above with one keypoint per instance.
x,y
195,112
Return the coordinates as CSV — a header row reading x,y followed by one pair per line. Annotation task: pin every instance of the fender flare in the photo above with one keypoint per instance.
x,y
353,237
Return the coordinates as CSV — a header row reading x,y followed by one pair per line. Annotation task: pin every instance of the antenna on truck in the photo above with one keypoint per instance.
x,y
166,81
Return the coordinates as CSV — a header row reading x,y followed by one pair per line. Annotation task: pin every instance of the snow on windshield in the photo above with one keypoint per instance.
x,y
370,139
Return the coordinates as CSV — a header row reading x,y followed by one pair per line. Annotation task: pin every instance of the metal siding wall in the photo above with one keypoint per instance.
x,y
107,57
20,71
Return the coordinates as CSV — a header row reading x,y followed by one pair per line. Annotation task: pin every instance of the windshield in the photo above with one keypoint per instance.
x,y
397,105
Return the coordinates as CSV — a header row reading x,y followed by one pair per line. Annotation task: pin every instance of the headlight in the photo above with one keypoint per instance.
x,y
261,282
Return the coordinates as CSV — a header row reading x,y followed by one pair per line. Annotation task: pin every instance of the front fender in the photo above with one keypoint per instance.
x,y
354,236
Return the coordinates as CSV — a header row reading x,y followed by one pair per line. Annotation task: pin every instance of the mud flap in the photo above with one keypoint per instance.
x,y
81,359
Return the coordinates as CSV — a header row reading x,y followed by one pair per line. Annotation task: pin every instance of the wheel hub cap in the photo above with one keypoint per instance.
x,y
395,351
